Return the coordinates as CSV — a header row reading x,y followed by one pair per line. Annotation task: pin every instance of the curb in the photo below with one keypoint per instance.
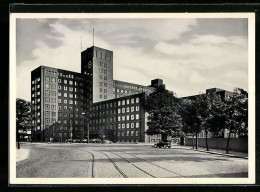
x,y
216,153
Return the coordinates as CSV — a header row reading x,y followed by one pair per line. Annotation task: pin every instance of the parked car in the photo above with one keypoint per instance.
x,y
166,144
106,141
84,141
95,141
69,141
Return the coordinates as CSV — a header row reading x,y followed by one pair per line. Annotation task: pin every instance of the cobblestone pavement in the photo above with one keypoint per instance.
x,y
125,161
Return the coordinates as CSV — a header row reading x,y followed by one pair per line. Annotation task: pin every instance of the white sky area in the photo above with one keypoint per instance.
x,y
190,55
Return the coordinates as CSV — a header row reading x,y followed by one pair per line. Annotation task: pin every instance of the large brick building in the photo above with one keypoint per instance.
x,y
67,104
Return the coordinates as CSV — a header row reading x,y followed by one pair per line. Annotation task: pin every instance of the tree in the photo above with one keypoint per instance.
x,y
191,120
210,108
236,113
23,118
163,118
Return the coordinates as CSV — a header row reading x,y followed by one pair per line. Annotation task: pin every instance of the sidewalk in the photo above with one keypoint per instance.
x,y
218,152
22,154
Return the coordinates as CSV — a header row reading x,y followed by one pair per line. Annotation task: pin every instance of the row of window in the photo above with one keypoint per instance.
x,y
128,133
65,121
126,118
127,109
128,125
70,76
101,77
122,102
65,88
101,71
128,140
36,80
65,101
127,101
101,96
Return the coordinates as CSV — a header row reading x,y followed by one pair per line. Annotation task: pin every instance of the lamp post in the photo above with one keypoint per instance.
x,y
83,113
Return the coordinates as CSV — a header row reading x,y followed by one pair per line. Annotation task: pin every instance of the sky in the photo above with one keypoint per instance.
x,y
190,55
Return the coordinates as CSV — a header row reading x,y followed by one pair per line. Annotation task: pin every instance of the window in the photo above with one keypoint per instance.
x,y
137,108
118,133
105,71
47,85
127,133
76,89
71,82
127,117
127,125
137,116
105,77
65,108
132,100
105,84
132,117
123,118
137,99
65,101
47,78
105,96
100,96
59,80
123,110
53,79
53,113
105,65
101,77
32,82
47,99
132,125
38,100
70,88
105,90
65,94
38,114
119,118
38,93
101,90
53,93
123,134
132,109
137,125
71,102
119,110
38,79
119,126
127,109
71,114
132,133
53,100
65,88
70,95
101,70
119,103
53,106
123,126
59,87
47,113
65,81
47,120
53,86
76,102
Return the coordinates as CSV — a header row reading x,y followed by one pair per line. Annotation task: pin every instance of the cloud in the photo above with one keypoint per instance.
x,y
188,57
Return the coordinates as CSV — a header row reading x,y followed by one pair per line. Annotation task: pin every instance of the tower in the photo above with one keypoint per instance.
x,y
97,65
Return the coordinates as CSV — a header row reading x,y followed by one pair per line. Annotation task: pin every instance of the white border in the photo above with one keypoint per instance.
x,y
251,90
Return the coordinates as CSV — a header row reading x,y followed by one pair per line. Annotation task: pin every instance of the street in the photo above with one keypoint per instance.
x,y
81,160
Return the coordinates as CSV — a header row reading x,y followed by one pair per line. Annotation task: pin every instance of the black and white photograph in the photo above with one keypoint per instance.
x,y
147,98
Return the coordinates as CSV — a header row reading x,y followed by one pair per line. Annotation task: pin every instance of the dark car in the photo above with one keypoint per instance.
x,y
165,144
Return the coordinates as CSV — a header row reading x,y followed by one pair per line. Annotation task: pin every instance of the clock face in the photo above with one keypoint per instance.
x,y
89,64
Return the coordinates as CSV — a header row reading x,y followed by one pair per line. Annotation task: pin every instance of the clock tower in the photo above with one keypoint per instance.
x,y
97,65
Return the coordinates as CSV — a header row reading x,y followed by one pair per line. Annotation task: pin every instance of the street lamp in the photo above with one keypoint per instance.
x,y
83,113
